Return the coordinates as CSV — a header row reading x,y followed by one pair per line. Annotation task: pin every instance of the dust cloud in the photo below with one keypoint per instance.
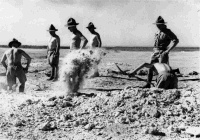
x,y
77,65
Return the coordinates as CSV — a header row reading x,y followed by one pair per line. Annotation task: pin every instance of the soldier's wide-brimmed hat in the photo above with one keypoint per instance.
x,y
160,20
91,25
71,22
14,41
52,28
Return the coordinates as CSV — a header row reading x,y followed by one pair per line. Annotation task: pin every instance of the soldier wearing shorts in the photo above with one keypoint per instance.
x,y
166,78
14,67
53,52
161,50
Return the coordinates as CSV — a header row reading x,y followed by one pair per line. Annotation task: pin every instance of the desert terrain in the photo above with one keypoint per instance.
x,y
110,107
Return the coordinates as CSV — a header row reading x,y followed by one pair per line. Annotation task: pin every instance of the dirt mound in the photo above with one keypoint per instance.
x,y
127,114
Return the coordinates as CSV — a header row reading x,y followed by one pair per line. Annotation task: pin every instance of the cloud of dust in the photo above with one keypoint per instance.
x,y
76,66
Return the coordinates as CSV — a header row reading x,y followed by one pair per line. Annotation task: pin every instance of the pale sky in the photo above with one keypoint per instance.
x,y
119,22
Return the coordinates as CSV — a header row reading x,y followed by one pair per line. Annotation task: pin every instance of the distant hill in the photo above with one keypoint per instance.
x,y
117,48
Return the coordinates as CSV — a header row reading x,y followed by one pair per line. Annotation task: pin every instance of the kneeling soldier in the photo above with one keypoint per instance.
x,y
166,77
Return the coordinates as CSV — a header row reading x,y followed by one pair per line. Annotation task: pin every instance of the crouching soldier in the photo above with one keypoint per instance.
x,y
166,77
14,67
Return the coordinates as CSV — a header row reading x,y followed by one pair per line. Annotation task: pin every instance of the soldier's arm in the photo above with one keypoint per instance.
x,y
28,58
47,50
147,65
58,45
83,39
3,60
173,38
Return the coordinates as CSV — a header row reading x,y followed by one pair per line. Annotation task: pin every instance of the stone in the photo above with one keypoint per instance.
x,y
19,123
47,126
187,93
66,104
108,94
182,126
29,101
156,132
89,126
65,117
50,104
76,123
61,97
52,98
193,130
28,114
67,124
68,98
83,122
157,114
117,114
124,120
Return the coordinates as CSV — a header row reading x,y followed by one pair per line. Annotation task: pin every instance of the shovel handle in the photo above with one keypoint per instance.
x,y
123,72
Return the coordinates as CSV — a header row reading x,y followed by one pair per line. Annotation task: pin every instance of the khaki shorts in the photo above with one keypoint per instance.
x,y
159,56
167,81
52,58
13,73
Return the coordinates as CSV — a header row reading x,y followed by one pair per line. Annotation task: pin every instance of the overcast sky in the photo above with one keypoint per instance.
x,y
119,22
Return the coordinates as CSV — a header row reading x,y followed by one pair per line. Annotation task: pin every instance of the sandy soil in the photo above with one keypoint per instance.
x,y
111,106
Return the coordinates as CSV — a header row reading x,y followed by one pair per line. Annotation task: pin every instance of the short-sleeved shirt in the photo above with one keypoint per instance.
x,y
76,41
52,45
163,39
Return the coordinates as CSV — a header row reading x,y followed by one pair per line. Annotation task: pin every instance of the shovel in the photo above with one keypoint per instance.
x,y
125,73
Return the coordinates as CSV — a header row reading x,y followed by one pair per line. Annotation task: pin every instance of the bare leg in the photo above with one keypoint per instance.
x,y
68,84
150,73
52,73
11,79
56,73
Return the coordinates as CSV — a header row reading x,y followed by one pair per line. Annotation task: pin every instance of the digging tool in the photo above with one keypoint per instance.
x,y
125,73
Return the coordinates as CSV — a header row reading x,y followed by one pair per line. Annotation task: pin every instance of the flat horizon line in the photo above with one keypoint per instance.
x,y
63,46
115,48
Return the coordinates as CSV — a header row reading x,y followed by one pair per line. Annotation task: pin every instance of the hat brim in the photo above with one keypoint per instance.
x,y
91,27
71,25
160,23
53,30
10,44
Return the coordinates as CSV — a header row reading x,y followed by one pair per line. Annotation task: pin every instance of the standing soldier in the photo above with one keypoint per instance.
x,y
53,52
161,49
74,79
14,67
95,42
77,35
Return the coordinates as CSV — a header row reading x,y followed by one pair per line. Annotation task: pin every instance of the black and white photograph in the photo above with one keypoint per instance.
x,y
99,69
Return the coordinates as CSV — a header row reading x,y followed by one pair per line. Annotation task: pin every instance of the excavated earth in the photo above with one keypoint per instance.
x,y
109,107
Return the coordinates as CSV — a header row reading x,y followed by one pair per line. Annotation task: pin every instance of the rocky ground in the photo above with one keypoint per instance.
x,y
110,107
